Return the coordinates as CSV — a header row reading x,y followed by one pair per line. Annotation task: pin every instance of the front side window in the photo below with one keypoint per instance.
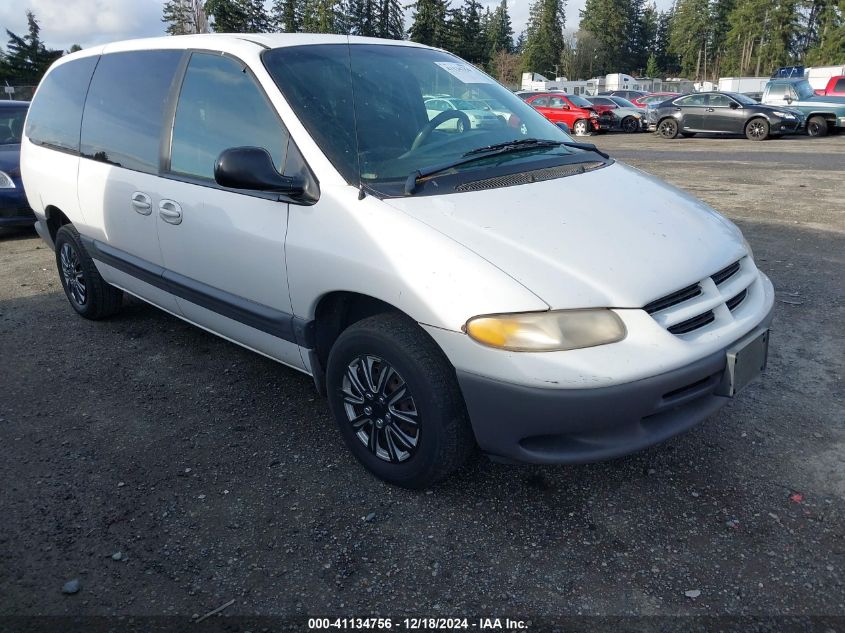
x,y
55,115
557,102
124,112
11,125
580,102
719,101
221,107
365,107
778,91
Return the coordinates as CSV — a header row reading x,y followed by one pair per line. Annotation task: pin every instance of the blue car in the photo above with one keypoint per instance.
x,y
14,208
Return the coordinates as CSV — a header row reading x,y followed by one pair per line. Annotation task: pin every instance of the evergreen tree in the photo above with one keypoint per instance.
x,y
763,35
184,17
666,62
689,36
544,41
642,44
391,22
429,22
286,15
27,58
238,16
827,44
651,69
500,31
324,16
609,22
720,11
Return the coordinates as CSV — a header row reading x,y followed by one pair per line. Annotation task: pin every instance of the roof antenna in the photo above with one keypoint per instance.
x,y
361,193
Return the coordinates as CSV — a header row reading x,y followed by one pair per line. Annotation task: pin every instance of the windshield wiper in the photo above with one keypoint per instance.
x,y
493,150
474,155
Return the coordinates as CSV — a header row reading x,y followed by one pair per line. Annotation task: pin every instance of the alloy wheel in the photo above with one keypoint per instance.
x,y
72,273
381,409
757,129
580,128
668,129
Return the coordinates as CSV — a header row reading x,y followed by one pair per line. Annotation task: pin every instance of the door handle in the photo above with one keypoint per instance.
x,y
170,211
142,203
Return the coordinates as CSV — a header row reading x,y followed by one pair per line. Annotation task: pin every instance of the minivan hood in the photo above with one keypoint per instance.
x,y
613,237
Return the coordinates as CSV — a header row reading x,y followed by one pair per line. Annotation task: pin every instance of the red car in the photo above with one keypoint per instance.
x,y
654,97
578,113
835,87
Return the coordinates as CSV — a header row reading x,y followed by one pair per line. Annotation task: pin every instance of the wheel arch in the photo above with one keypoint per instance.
x,y
56,219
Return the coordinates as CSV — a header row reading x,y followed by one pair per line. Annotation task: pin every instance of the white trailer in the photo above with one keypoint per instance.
x,y
536,82
818,75
742,84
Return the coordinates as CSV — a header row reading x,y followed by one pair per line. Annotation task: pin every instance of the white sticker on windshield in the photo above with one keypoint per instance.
x,y
467,73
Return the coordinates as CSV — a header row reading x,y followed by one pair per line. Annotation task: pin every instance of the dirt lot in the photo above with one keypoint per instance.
x,y
218,475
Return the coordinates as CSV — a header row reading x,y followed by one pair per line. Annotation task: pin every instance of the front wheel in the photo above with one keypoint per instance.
x,y
581,128
395,398
668,128
817,126
85,289
630,125
757,130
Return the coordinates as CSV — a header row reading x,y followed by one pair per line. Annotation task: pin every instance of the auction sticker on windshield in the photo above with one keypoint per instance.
x,y
465,72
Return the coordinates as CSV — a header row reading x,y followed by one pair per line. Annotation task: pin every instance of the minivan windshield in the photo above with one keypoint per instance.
x,y
382,112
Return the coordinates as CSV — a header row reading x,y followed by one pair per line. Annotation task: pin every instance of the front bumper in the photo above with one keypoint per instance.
x,y
519,423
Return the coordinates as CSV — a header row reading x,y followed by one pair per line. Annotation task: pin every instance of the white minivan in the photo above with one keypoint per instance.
x,y
446,286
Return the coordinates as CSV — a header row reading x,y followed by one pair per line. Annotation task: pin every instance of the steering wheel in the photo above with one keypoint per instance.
x,y
428,128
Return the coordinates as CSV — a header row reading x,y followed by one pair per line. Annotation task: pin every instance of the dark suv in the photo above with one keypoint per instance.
x,y
14,209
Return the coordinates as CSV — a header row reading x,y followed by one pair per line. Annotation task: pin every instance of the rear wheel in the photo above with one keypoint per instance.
x,y
668,128
395,398
86,291
757,130
816,126
581,127
630,125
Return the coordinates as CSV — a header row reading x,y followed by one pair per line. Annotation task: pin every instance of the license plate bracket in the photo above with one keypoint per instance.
x,y
745,361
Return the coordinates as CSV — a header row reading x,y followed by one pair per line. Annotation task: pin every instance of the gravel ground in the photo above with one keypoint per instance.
x,y
169,472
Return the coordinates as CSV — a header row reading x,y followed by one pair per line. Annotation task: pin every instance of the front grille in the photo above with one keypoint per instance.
x,y
726,273
694,323
673,299
735,301
713,299
523,178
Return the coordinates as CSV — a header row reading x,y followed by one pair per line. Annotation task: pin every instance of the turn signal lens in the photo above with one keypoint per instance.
x,y
547,331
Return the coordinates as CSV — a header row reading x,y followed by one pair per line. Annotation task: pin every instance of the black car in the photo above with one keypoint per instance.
x,y
14,209
722,113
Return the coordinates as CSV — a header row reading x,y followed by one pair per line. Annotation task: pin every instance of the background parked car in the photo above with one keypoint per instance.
x,y
823,114
559,108
627,118
653,98
835,87
724,113
627,94
478,115
14,209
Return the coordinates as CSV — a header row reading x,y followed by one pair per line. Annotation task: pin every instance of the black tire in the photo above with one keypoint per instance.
x,y
816,126
630,125
687,134
581,127
459,126
668,128
441,440
757,129
86,291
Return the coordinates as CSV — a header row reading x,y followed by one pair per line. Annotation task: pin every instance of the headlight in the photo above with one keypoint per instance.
x,y
547,331
6,181
784,115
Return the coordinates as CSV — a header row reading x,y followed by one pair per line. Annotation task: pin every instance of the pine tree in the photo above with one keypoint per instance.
x,y
429,22
391,22
666,62
827,45
184,17
27,58
645,35
238,16
689,35
544,41
763,35
651,68
609,23
324,16
720,11
286,15
500,31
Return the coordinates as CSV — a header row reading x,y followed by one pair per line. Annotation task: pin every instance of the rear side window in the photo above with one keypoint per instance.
x,y
126,106
56,112
839,86
221,107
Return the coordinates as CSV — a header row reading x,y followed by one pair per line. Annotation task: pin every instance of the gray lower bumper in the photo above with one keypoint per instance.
x,y
44,233
570,426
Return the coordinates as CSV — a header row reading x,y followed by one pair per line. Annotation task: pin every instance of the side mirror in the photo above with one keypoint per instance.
x,y
734,105
252,168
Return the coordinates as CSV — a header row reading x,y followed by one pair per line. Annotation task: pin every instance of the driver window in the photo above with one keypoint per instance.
x,y
556,102
719,101
220,107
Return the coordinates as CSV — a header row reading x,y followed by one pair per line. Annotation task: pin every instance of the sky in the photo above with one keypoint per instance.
x,y
89,22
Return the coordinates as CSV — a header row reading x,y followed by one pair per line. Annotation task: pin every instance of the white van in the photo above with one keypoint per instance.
x,y
445,288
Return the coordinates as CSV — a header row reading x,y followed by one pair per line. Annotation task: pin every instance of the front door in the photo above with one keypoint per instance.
x,y
726,115
224,250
